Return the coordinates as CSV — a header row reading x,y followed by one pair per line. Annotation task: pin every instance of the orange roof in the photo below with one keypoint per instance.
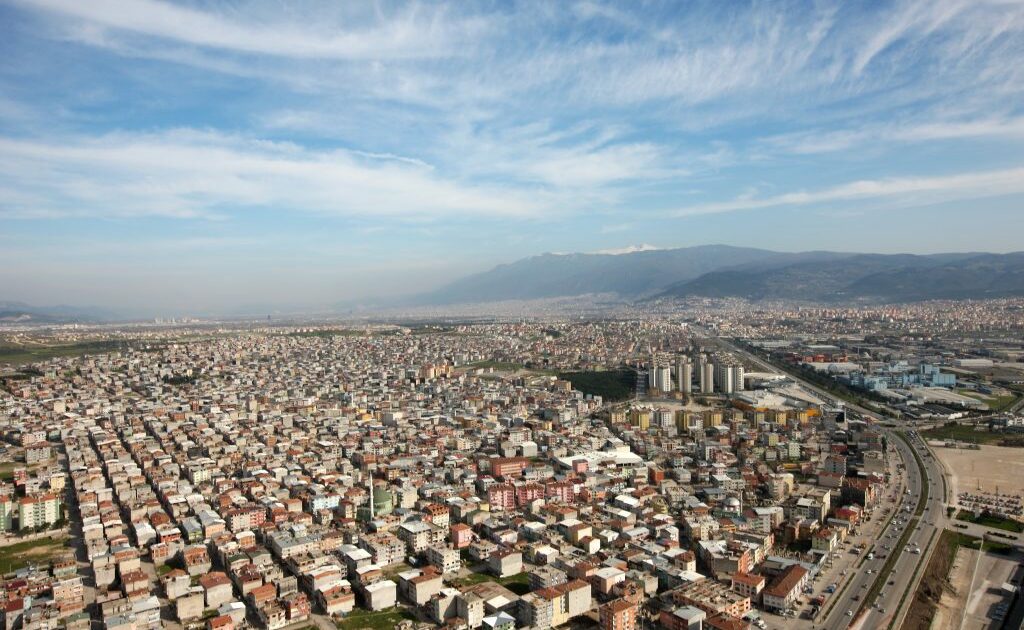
x,y
750,579
618,605
787,581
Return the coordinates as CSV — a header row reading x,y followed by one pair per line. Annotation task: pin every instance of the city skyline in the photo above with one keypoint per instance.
x,y
202,156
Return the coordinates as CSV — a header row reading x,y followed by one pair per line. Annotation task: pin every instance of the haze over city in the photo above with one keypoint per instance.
x,y
162,157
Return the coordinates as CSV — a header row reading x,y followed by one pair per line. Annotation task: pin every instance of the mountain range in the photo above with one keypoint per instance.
x,y
756,274
717,271
20,312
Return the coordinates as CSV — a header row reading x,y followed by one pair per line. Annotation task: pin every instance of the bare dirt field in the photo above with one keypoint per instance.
x,y
992,468
950,611
969,598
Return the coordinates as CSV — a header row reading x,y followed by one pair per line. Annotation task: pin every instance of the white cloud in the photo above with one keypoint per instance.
x,y
909,19
546,57
590,160
913,190
416,32
189,174
825,141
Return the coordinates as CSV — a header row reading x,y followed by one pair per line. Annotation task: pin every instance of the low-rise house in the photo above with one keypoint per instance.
x,y
505,562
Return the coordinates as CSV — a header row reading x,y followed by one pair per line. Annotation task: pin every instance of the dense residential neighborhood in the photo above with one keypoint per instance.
x,y
440,475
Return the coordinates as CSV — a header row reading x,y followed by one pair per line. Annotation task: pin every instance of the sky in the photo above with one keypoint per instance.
x,y
175,157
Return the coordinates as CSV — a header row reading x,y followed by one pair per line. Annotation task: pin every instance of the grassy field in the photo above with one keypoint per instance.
x,y
996,404
360,619
611,385
391,572
41,551
1002,403
497,365
518,583
506,366
7,470
990,520
962,433
19,354
326,334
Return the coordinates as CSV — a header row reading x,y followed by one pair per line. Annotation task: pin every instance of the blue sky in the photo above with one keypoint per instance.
x,y
192,156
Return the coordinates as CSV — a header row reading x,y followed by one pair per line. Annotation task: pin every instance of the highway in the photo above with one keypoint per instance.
x,y
899,583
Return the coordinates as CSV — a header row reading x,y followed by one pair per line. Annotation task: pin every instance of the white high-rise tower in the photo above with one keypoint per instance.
x,y
684,374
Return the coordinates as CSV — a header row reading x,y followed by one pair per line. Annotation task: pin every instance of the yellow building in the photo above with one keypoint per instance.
x,y
715,418
640,418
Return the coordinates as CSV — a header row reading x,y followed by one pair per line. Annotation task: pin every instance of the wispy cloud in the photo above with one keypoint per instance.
x,y
828,141
462,128
416,32
188,174
907,189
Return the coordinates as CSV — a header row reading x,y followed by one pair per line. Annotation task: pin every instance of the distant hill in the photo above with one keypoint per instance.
x,y
629,275
19,312
885,278
757,274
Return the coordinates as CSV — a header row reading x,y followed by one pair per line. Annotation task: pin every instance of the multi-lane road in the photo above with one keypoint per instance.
x,y
848,606
924,481
900,582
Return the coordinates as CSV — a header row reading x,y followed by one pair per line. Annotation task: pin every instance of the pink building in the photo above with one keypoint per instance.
x,y
561,491
502,496
462,535
529,492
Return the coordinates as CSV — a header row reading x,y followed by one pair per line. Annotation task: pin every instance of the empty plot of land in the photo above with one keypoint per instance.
x,y
990,468
982,585
962,587
37,551
950,611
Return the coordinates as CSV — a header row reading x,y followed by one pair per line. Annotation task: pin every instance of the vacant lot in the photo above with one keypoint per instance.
x,y
18,354
974,588
992,468
518,583
39,552
962,433
990,520
935,580
384,619
612,385
7,468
